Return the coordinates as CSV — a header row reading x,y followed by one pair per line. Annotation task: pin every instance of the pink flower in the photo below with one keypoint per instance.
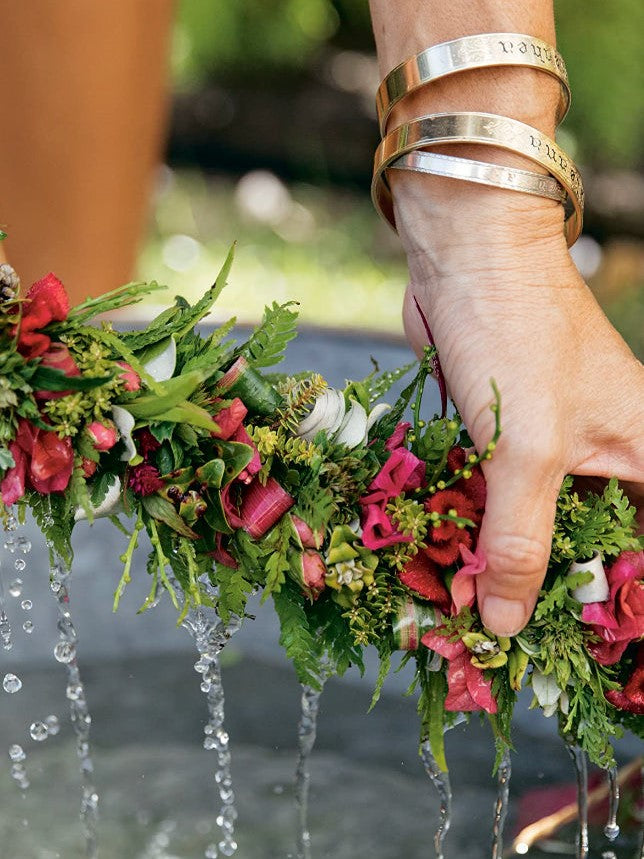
x,y
42,461
129,377
378,530
46,302
463,583
467,687
401,472
57,357
620,619
397,438
89,467
103,436
229,419
309,538
263,506
313,573
631,697
255,465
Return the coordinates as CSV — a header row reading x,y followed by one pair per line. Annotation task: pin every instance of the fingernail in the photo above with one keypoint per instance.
x,y
503,616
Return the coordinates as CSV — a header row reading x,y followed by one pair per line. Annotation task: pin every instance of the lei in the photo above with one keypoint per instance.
x,y
359,525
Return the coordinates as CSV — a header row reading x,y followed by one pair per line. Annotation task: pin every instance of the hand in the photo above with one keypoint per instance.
x,y
505,301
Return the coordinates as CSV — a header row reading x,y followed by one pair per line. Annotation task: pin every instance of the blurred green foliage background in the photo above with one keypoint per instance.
x,y
271,141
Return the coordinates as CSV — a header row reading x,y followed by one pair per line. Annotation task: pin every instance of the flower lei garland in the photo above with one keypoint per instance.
x,y
361,527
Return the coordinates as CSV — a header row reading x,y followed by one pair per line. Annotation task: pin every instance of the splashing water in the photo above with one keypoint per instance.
x,y
501,804
440,780
306,734
210,635
11,684
578,758
611,830
80,716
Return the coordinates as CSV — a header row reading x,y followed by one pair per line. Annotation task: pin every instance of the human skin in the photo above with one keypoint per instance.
x,y
492,273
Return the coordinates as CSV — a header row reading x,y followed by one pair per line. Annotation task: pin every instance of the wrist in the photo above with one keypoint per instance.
x,y
457,231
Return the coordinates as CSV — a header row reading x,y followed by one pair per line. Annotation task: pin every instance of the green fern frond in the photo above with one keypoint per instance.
x,y
267,344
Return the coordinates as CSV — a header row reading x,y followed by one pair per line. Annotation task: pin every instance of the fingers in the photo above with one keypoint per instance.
x,y
516,536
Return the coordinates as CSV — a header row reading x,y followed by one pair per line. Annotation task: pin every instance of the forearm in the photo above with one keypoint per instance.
x,y
462,214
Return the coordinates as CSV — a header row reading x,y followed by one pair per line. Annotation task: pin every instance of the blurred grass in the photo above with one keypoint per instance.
x,y
323,247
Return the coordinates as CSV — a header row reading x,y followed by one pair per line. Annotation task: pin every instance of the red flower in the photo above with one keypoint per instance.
x,y
145,479
620,619
146,443
631,697
472,487
308,538
46,302
467,687
42,461
222,555
423,576
446,538
229,419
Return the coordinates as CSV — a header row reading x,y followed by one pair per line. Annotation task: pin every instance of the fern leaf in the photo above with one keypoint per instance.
x,y
378,386
234,590
266,345
297,638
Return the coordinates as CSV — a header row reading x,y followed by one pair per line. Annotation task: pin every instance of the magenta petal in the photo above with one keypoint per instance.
x,y
377,530
629,565
463,585
599,613
398,436
12,487
263,506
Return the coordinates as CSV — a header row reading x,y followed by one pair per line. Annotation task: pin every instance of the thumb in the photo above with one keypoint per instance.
x,y
516,536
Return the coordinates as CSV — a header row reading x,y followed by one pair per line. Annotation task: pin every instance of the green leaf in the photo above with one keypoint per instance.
x,y
162,510
277,562
122,296
48,379
99,487
6,459
297,638
234,590
267,343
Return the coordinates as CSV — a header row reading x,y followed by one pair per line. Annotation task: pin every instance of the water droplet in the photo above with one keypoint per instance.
x,y
20,564
228,848
211,852
53,725
5,631
28,627
55,586
65,652
38,731
611,832
205,686
74,691
15,588
24,545
209,743
10,544
11,683
26,605
17,753
278,789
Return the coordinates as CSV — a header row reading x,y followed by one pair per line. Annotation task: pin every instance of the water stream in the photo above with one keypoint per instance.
x,y
306,734
501,804
210,635
611,830
65,653
441,782
578,758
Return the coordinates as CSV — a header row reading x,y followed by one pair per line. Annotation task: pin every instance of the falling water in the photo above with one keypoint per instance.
x,y
440,780
10,545
306,733
611,830
579,761
65,653
210,635
501,804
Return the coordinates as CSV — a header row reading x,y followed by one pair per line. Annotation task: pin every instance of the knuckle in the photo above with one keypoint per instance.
x,y
517,559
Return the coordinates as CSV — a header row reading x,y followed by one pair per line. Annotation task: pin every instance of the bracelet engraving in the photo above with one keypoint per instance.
x,y
486,129
471,52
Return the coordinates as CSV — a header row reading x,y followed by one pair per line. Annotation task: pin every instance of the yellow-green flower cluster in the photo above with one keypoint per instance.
x,y
351,565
